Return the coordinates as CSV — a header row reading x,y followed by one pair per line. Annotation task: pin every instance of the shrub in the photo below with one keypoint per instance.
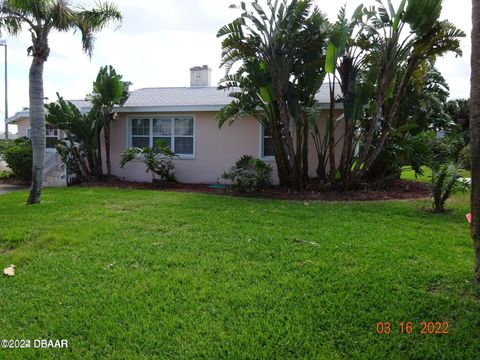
x,y
157,159
441,156
74,159
446,180
465,158
5,174
18,156
249,174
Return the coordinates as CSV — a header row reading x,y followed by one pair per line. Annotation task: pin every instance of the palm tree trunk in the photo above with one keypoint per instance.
x,y
37,118
475,135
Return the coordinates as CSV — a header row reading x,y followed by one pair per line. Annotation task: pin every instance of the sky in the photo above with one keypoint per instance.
x,y
159,41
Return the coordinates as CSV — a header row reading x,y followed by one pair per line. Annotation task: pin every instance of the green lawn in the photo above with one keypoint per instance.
x,y
409,174
128,274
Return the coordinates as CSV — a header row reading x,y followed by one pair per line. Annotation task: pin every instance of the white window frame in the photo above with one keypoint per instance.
x,y
48,149
151,117
261,147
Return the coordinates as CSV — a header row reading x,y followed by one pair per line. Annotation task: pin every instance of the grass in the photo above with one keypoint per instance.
x,y
128,274
409,174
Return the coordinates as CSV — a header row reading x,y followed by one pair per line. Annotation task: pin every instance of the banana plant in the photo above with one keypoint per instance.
x,y
404,39
109,91
277,50
82,135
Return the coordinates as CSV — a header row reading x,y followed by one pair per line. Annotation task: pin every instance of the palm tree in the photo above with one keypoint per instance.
x,y
108,90
475,134
41,17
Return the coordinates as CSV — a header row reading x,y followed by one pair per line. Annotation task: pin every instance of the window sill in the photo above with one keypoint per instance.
x,y
268,159
176,157
184,157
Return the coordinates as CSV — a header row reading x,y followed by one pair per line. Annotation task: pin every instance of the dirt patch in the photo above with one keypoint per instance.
x,y
397,190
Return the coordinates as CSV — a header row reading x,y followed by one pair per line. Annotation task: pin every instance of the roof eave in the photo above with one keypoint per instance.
x,y
18,116
190,108
169,109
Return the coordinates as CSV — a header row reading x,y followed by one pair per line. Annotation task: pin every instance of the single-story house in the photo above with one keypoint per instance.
x,y
185,118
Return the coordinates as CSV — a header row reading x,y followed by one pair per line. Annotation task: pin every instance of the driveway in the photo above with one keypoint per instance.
x,y
5,188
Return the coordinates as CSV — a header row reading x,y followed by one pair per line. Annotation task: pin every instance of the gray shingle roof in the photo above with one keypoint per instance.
x,y
82,105
172,99
189,99
178,96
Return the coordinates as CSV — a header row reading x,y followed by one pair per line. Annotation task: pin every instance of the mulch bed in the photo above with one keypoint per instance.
x,y
397,190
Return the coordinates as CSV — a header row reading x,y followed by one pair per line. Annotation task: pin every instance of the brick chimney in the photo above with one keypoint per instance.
x,y
200,76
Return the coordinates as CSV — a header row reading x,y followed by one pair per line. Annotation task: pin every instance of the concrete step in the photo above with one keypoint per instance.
x,y
56,173
52,183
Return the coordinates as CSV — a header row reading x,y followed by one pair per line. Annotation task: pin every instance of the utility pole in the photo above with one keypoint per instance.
x,y
3,42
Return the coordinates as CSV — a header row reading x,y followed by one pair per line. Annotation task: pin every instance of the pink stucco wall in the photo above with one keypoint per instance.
x,y
216,150
23,126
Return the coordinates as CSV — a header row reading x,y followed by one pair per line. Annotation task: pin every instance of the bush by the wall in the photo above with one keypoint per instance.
x,y
157,160
18,156
249,174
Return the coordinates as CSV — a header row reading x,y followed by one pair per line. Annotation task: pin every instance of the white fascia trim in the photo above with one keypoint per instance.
x,y
168,109
189,108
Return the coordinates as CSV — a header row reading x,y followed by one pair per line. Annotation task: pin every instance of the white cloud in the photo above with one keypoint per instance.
x,y
160,40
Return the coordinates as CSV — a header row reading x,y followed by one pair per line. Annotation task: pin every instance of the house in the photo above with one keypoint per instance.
x,y
185,118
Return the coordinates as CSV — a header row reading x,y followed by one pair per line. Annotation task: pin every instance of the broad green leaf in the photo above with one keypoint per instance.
x,y
331,58
265,94
399,15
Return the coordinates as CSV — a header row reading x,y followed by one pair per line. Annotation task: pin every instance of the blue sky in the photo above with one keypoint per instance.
x,y
160,40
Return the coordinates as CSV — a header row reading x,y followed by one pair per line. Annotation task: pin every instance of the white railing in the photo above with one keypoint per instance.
x,y
52,160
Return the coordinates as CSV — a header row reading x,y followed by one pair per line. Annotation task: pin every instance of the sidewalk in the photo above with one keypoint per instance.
x,y
5,188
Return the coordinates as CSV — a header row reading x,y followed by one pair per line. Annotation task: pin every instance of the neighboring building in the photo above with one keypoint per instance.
x,y
185,118
10,135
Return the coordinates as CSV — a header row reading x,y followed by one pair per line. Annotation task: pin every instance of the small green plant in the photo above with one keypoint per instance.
x,y
441,156
158,160
5,174
18,156
249,174
446,180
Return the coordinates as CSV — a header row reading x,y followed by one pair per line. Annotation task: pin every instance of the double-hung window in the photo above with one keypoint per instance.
x,y
51,136
266,146
177,132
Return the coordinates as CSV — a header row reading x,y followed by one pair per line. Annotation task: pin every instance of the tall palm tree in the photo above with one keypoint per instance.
x,y
41,17
475,134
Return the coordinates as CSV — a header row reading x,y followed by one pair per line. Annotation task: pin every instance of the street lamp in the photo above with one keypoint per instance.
x,y
3,42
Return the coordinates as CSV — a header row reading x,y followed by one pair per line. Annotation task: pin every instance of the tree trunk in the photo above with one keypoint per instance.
x,y
282,136
306,132
106,133
331,132
37,119
475,135
99,169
